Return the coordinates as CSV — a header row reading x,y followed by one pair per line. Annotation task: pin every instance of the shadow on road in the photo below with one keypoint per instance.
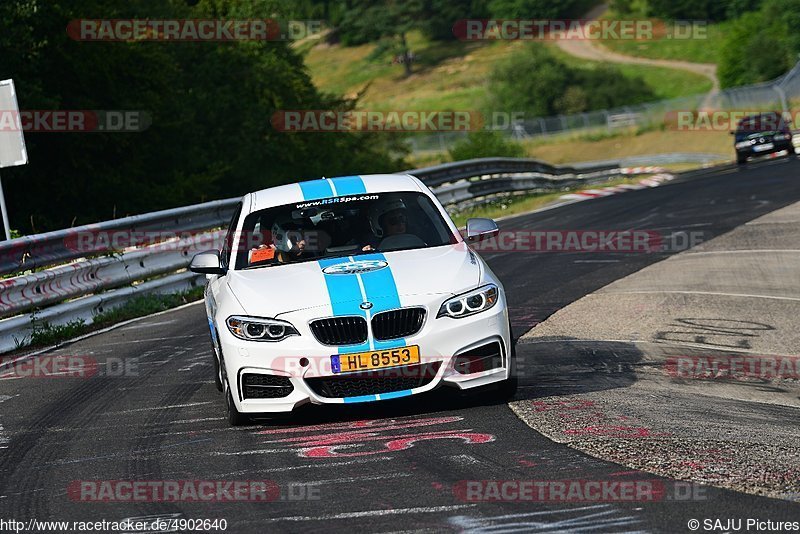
x,y
553,366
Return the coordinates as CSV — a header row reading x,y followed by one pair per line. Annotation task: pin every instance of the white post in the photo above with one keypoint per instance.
x,y
5,212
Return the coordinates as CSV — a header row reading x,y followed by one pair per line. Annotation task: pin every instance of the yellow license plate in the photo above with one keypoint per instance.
x,y
376,359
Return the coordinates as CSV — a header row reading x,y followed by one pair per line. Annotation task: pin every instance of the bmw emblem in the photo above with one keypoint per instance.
x,y
365,305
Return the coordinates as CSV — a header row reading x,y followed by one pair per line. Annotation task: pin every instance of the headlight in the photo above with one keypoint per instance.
x,y
745,144
467,304
781,137
258,329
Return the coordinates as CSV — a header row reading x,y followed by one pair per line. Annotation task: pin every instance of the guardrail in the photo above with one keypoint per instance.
x,y
52,248
80,272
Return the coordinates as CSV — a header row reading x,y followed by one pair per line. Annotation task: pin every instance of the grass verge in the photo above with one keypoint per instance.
x,y
603,144
665,83
626,144
45,334
450,75
701,45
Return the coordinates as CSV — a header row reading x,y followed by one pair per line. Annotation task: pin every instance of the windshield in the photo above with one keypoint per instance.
x,y
761,124
341,226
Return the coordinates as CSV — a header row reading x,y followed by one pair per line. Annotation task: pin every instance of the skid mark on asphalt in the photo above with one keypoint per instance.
x,y
336,439
170,407
461,459
372,513
349,480
599,518
150,340
192,421
315,466
116,455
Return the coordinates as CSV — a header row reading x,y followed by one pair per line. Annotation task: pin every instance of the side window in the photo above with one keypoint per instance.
x,y
227,246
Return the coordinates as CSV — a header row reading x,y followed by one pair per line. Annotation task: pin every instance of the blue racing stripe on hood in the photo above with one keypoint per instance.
x,y
344,293
344,290
381,291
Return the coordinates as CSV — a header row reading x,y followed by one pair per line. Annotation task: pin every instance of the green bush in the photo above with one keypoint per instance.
x,y
710,10
539,84
486,144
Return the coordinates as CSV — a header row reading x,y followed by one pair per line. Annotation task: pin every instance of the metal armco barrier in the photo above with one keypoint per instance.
x,y
86,270
52,248
79,278
472,168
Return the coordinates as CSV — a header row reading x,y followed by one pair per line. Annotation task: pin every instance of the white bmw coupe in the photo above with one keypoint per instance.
x,y
349,290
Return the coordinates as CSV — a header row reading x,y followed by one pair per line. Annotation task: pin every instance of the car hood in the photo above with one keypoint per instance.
x,y
382,278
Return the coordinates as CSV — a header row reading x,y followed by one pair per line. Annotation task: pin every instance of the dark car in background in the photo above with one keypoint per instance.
x,y
765,133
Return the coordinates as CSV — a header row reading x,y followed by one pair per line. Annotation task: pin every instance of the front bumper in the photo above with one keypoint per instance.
x,y
779,146
443,344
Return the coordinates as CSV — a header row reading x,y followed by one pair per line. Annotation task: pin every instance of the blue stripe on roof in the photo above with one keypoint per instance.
x,y
316,189
349,185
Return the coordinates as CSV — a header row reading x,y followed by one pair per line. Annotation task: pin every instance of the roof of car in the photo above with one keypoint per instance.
x,y
771,119
331,187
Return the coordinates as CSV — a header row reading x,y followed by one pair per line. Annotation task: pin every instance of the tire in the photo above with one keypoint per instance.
x,y
508,388
217,370
741,160
235,417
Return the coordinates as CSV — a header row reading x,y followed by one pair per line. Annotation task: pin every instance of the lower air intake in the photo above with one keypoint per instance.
x,y
374,382
256,386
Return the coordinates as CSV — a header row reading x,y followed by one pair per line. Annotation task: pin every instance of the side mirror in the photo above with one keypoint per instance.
x,y
206,263
479,229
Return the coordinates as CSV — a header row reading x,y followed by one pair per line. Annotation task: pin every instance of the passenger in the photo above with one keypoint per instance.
x,y
387,218
290,240
289,243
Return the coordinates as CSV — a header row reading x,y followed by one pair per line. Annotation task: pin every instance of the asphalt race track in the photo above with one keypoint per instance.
x,y
398,466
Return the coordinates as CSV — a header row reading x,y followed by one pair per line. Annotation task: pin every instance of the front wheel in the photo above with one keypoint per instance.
x,y
235,417
508,388
740,159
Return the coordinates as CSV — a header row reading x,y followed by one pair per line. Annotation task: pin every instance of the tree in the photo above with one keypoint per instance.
x,y
385,21
743,59
539,9
210,104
